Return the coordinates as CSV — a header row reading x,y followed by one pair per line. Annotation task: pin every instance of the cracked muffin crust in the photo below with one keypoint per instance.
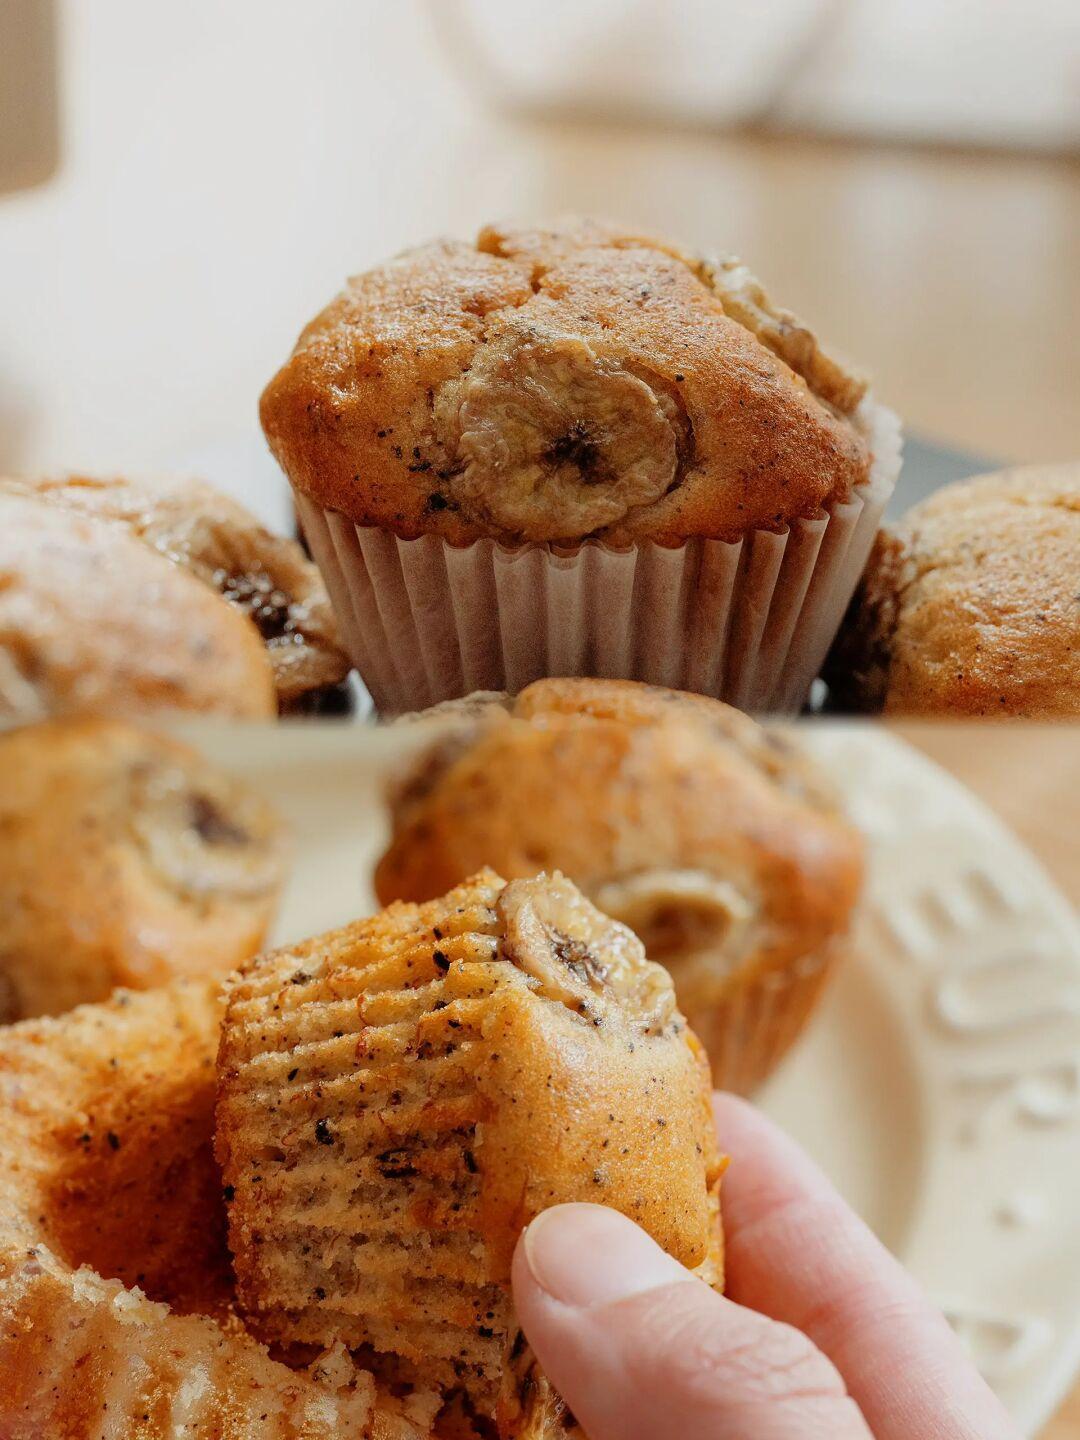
x,y
117,1313
93,622
398,1099
970,605
125,859
714,839
264,576
552,385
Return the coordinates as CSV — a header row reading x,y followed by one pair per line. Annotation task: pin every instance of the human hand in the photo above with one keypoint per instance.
x,y
822,1334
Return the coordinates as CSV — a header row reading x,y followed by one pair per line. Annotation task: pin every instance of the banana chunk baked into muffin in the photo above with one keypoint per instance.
x,y
573,387
93,622
125,859
559,384
715,840
399,1098
117,1311
265,576
970,605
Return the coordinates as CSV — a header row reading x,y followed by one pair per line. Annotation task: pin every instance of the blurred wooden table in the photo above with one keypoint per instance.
x,y
1031,776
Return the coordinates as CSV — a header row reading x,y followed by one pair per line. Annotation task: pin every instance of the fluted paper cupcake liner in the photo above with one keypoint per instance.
x,y
748,621
752,1025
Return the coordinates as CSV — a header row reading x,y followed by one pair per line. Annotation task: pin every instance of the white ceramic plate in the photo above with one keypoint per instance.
x,y
940,1082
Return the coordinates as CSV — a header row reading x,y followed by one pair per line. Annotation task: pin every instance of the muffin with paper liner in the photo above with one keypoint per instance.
x,y
118,1310
716,840
578,451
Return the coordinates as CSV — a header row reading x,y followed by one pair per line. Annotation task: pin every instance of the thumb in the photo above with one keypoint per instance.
x,y
640,1349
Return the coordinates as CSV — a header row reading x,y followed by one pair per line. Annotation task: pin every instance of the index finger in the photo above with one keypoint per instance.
x,y
797,1253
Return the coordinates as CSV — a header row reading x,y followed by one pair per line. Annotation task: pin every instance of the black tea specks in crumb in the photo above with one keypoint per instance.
x,y
396,1164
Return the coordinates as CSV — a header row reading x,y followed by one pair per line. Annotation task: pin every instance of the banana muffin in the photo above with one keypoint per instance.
x,y
596,406
399,1098
125,859
92,621
715,840
117,1306
970,605
265,576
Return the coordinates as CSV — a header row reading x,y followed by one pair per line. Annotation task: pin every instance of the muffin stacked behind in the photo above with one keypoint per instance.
x,y
94,622
125,859
399,1098
714,839
969,605
264,576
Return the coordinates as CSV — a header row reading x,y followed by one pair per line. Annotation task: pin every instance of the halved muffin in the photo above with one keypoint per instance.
x,y
116,1296
399,1098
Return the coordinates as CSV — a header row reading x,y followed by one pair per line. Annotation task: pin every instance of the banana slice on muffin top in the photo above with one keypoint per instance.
x,y
548,385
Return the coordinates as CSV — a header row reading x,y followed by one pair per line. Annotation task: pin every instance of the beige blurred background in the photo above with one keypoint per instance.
x,y
181,187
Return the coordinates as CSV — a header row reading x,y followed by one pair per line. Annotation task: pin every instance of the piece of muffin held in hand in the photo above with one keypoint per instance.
x,y
92,621
644,429
117,1313
125,859
399,1098
970,605
265,576
719,843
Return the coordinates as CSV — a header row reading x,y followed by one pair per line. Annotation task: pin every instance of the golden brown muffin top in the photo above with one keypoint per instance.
x,y
674,812
562,383
125,859
265,576
92,621
970,605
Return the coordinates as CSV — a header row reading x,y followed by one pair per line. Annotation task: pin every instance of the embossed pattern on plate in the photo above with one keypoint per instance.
x,y
976,958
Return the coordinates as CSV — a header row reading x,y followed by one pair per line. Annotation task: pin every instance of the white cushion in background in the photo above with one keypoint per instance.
x,y
990,72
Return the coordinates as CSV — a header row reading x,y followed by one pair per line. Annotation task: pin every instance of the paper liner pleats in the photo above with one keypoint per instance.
x,y
748,621
749,1028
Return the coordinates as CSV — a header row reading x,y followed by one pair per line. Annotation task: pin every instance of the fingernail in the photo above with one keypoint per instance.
x,y
586,1255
